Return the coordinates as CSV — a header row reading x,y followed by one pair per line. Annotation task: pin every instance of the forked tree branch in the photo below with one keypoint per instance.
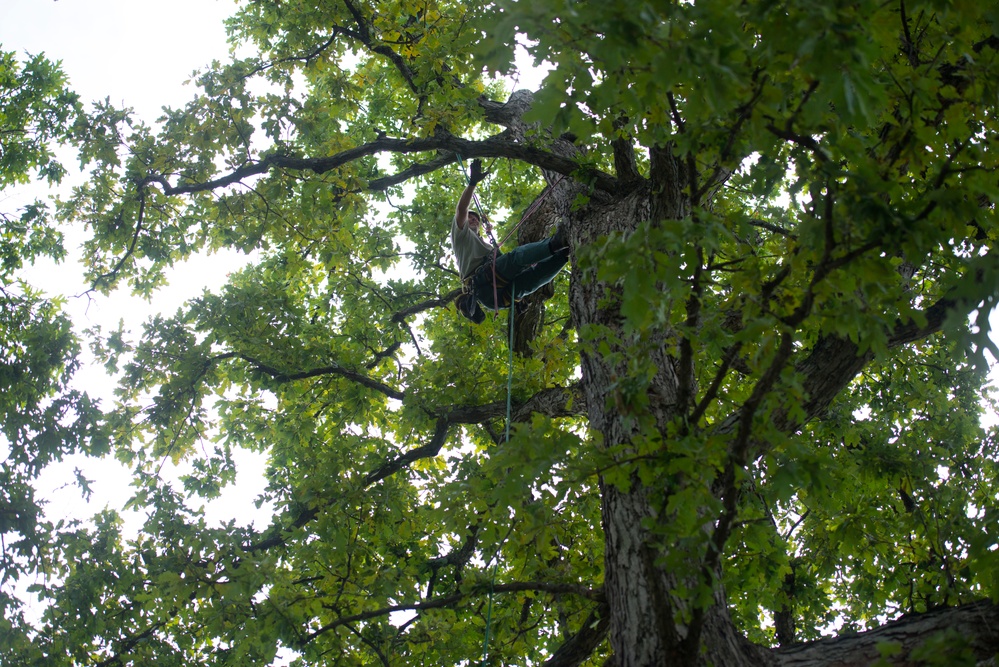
x,y
580,647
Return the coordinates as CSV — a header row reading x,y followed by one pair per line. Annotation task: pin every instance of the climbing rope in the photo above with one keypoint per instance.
x,y
489,615
489,230
506,439
535,205
509,378
513,290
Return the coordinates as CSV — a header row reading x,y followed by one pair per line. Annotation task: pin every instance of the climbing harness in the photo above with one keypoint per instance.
x,y
468,284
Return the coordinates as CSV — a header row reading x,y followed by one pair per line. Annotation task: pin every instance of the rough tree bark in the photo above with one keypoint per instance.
x,y
646,609
649,620
976,623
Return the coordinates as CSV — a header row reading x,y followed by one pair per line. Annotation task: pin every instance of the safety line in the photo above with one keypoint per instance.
x,y
506,439
509,375
489,230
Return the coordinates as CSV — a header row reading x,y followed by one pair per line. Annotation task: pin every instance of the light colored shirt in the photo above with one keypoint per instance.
x,y
470,250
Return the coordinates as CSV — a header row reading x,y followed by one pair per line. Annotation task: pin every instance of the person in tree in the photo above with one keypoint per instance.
x,y
520,272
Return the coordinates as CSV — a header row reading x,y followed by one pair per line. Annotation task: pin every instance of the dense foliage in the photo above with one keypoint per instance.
x,y
753,411
43,418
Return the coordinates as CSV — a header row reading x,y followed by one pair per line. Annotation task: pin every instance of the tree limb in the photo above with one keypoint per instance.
x,y
497,146
976,624
447,601
106,277
580,646
332,369
400,316
554,402
363,35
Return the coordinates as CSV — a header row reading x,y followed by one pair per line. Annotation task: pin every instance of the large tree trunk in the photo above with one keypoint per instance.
x,y
652,620
647,611
648,602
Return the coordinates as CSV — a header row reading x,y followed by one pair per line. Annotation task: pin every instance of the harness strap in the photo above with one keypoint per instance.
x,y
487,272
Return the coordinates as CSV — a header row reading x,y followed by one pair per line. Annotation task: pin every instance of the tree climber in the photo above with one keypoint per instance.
x,y
520,272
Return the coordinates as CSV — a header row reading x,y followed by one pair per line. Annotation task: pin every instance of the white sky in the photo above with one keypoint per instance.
x,y
138,53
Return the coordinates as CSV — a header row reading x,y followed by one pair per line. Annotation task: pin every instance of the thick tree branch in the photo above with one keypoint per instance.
x,y
833,361
497,146
770,227
685,365
387,352
625,165
401,315
554,402
363,35
458,557
430,449
509,113
580,647
106,278
131,642
802,140
731,354
976,624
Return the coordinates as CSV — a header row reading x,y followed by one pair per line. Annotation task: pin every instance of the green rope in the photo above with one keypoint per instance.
x,y
489,614
509,411
509,374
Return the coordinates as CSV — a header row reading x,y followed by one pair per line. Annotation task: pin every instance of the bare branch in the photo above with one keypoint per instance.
x,y
496,146
625,164
553,402
731,354
685,366
770,227
387,352
802,140
401,315
975,622
363,35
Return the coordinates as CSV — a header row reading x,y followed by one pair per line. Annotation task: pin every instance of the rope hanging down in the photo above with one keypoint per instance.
x,y
506,439
509,377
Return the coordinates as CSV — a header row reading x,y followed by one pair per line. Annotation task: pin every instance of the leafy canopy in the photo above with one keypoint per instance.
x,y
794,202
43,418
